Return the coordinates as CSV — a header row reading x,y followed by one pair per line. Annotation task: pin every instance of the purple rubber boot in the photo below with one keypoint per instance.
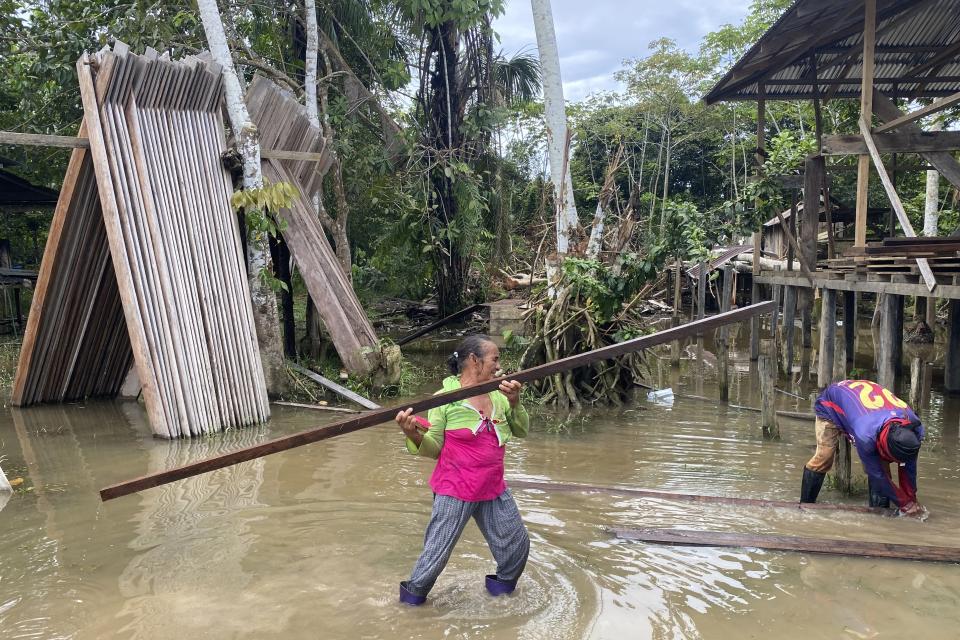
x,y
497,587
410,598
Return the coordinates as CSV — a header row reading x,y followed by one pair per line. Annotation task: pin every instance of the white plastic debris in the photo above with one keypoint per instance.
x,y
662,397
4,483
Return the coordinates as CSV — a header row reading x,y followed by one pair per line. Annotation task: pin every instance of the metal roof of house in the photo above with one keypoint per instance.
x,y
15,191
917,52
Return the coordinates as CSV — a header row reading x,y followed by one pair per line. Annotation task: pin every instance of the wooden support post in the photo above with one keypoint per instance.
x,y
768,412
775,323
812,184
891,340
951,367
702,292
723,353
930,317
675,320
828,336
916,373
842,470
754,298
789,324
866,111
850,328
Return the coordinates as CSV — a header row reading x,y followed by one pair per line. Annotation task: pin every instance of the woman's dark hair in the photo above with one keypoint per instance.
x,y
475,344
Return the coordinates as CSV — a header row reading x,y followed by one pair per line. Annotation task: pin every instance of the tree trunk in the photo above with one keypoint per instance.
x,y
556,118
445,119
266,317
931,209
281,262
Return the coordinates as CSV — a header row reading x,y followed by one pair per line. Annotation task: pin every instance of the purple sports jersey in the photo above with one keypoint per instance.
x,y
860,408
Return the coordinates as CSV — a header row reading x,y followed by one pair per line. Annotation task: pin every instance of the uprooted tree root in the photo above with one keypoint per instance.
x,y
566,326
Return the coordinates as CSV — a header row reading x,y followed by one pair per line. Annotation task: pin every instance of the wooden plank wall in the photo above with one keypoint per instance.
x,y
164,242
283,125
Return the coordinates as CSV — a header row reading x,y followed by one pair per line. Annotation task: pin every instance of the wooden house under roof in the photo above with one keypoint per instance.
x,y
878,52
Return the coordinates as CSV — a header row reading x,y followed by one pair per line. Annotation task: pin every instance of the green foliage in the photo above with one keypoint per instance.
x,y
603,288
786,156
256,205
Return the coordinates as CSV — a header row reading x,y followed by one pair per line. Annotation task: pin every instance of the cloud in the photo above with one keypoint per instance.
x,y
595,37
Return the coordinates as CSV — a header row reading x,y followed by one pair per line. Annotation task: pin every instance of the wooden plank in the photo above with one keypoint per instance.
x,y
828,546
336,388
439,323
895,199
315,407
933,107
566,487
301,156
108,203
43,140
898,142
380,416
51,252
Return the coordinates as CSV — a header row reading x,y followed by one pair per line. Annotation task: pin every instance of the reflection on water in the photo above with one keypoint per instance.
x,y
312,542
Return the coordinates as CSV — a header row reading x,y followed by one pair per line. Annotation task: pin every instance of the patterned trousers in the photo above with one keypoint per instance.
x,y
499,522
828,435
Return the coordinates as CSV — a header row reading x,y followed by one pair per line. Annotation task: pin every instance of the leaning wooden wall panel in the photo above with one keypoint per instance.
x,y
283,125
144,261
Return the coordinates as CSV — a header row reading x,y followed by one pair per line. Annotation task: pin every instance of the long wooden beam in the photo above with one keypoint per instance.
x,y
933,107
829,546
43,140
73,142
380,416
925,270
897,142
563,487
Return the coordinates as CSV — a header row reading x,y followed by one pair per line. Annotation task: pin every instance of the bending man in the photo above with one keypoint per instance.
x,y
882,428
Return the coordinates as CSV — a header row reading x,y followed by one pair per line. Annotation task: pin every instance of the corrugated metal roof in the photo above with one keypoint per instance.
x,y
726,255
917,41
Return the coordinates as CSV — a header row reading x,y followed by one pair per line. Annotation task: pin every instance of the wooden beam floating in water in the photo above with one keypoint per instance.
x,y
691,497
831,546
372,418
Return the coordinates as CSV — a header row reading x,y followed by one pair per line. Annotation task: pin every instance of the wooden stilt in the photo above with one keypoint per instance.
x,y
754,298
916,373
702,292
723,353
951,367
789,325
828,336
850,327
768,413
891,340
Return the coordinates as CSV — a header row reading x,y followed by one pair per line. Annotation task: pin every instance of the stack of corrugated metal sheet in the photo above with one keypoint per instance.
x,y
144,259
283,126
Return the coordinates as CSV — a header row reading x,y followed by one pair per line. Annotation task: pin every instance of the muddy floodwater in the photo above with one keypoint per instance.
x,y
311,543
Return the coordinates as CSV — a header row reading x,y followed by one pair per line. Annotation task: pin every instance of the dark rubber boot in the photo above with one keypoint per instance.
x,y
410,598
497,587
877,499
810,488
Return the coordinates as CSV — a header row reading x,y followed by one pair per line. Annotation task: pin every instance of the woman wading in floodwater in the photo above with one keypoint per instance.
x,y
468,438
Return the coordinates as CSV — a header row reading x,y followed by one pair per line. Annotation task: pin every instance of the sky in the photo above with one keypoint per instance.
x,y
595,36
